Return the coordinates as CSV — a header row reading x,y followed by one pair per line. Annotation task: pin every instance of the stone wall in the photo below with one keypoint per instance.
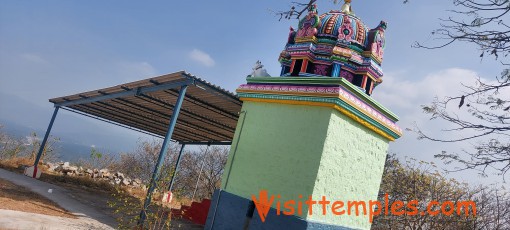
x,y
114,178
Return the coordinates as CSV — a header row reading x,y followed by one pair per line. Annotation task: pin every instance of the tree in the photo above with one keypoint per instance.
x,y
298,8
413,180
479,22
204,166
140,163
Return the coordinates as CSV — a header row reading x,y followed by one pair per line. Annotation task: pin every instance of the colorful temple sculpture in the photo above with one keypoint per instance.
x,y
313,132
335,44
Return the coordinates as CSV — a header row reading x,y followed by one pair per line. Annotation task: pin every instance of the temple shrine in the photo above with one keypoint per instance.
x,y
312,132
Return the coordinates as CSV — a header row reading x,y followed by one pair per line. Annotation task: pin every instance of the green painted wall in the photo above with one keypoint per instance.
x,y
308,150
279,149
350,169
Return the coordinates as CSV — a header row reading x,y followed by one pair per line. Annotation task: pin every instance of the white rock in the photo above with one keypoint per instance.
x,y
72,168
59,168
51,166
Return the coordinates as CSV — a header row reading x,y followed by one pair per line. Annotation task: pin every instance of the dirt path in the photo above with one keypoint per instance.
x,y
18,198
88,217
17,220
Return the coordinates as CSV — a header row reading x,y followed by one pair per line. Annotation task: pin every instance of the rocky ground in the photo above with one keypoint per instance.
x,y
114,178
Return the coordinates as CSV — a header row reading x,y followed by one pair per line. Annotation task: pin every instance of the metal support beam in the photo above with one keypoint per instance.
x,y
132,92
113,122
128,121
162,153
176,168
191,114
206,143
200,173
43,143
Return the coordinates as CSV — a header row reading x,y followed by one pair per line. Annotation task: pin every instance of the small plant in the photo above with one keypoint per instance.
x,y
127,208
99,160
49,152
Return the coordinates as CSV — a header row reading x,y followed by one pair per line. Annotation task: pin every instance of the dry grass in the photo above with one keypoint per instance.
x,y
14,164
15,197
97,193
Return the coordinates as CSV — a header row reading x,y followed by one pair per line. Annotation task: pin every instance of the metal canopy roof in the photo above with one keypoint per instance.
x,y
208,113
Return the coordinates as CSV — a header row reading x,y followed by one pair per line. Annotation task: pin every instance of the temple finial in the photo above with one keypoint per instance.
x,y
346,7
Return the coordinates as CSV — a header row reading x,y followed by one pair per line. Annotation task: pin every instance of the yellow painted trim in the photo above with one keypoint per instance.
x,y
329,105
306,39
319,95
370,55
364,123
368,114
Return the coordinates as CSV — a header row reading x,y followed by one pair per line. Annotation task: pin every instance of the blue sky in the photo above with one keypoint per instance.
x,y
55,48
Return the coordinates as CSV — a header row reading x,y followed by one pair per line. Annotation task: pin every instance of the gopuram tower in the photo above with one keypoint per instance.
x,y
314,132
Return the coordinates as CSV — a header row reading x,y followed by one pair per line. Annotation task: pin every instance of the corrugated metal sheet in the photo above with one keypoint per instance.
x,y
208,113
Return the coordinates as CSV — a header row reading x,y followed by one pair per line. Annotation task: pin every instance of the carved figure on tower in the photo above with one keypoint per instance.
x,y
308,25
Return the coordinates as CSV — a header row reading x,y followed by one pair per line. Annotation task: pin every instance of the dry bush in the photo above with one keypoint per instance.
x,y
141,162
99,160
191,169
14,147
10,147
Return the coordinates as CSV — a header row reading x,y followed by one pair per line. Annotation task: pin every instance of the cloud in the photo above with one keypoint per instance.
x,y
131,71
404,96
398,92
33,58
202,58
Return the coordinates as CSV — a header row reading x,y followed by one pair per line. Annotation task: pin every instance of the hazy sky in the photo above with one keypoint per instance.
x,y
55,48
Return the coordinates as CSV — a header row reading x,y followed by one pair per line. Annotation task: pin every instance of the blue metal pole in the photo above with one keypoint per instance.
x,y
162,153
176,168
43,143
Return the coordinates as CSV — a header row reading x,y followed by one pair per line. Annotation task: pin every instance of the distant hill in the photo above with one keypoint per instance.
x,y
67,150
77,133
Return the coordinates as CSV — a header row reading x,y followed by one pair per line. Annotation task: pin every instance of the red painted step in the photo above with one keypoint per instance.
x,y
196,213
